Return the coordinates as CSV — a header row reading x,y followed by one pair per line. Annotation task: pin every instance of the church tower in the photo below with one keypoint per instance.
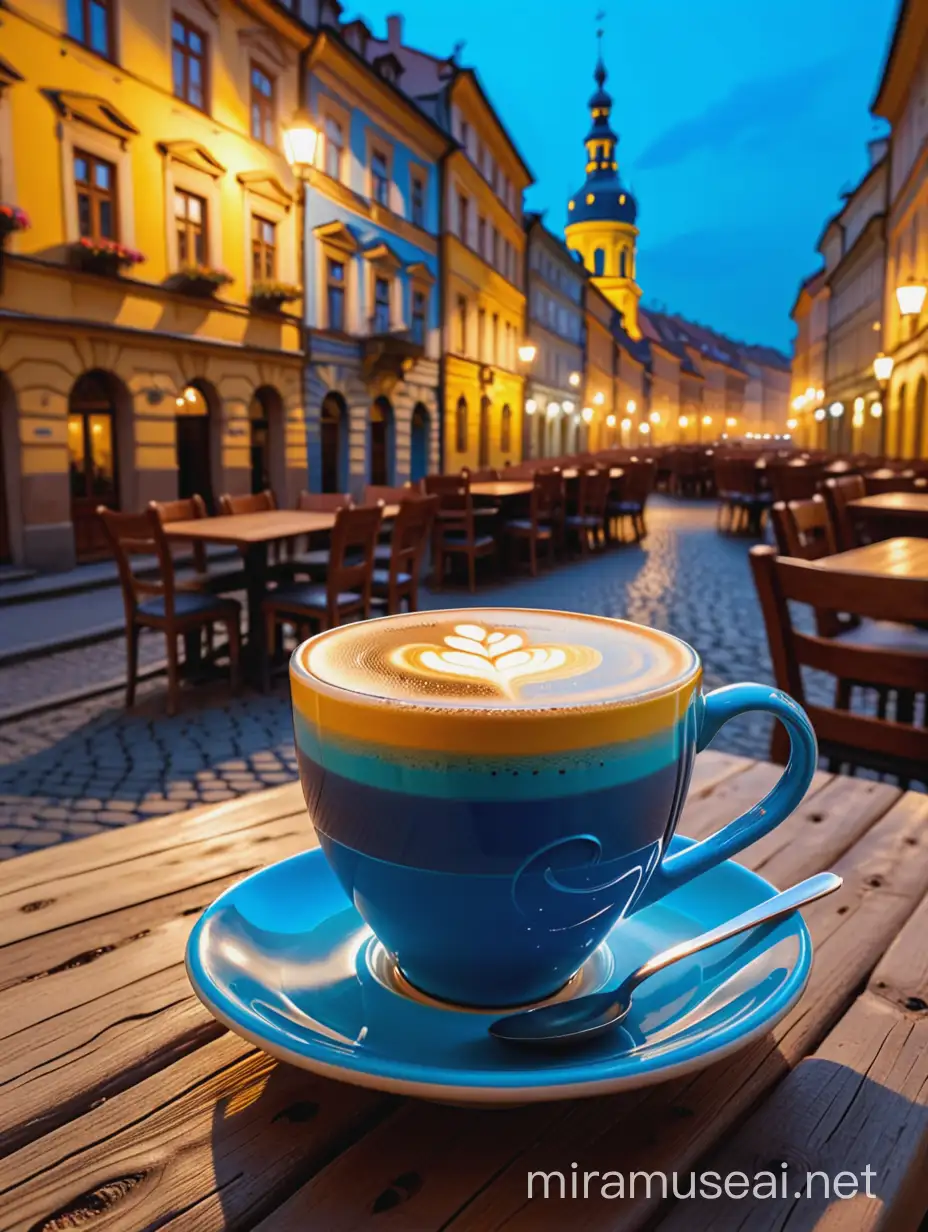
x,y
601,216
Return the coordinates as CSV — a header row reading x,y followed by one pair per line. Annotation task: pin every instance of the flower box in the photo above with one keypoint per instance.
x,y
271,296
12,218
102,256
200,281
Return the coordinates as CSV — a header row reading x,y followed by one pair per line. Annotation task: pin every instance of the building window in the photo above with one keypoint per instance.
x,y
190,217
494,339
463,218
95,182
494,249
418,201
335,282
334,148
188,58
91,22
465,134
418,317
262,105
482,236
380,178
263,249
381,305
505,429
506,355
462,325
460,426
481,333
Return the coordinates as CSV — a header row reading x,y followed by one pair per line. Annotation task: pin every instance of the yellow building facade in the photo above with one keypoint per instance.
x,y
144,352
483,246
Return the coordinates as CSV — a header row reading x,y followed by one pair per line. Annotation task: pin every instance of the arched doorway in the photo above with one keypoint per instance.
x,y
505,429
539,434
334,432
419,443
460,425
380,440
565,434
92,458
919,439
483,441
193,436
266,442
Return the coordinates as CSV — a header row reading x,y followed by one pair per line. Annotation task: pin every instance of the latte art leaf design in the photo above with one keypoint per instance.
x,y
494,658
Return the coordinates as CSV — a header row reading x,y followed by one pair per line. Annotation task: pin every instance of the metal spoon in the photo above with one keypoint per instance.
x,y
567,1022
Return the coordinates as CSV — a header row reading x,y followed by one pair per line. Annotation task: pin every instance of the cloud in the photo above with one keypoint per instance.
x,y
752,112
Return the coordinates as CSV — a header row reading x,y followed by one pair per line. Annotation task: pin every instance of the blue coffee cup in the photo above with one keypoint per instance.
x,y
496,789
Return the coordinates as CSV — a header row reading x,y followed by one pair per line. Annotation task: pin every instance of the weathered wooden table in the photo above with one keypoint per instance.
x,y
125,1106
901,557
891,513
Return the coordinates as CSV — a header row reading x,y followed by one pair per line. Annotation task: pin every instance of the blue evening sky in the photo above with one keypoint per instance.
x,y
741,121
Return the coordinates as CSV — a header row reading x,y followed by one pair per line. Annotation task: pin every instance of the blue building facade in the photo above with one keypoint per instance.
x,y
372,300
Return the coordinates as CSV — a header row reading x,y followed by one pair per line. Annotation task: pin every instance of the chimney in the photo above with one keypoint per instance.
x,y
395,31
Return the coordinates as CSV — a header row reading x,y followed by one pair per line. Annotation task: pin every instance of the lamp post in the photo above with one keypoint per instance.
x,y
910,296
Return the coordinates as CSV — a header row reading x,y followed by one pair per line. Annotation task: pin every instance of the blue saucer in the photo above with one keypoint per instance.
x,y
284,960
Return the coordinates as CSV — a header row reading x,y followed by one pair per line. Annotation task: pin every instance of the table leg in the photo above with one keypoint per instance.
x,y
256,574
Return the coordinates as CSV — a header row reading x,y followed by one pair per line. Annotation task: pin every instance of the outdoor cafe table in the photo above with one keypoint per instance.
x,y
901,557
892,513
127,1107
251,533
502,489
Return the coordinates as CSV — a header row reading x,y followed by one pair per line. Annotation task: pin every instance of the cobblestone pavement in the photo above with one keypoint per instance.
x,y
91,766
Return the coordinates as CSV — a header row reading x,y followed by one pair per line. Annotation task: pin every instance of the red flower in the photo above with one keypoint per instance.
x,y
17,219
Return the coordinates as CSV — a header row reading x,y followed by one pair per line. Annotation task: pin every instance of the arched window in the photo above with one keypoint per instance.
x,y
623,263
334,443
92,457
599,262
419,443
505,429
381,442
460,425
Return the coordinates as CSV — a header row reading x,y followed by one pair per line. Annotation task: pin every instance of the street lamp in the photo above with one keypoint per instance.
x,y
836,410
644,428
883,368
527,352
300,140
610,421
655,417
631,406
530,406
599,399
587,413
911,297
574,379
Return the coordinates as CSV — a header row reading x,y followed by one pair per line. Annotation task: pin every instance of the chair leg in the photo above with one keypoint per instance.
x,y
268,648
533,556
132,662
173,683
234,634
471,572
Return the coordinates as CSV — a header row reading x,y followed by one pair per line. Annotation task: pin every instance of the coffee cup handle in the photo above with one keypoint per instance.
x,y
717,708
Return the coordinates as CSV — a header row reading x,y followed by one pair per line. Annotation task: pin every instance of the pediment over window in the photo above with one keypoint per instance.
x,y
93,110
268,186
263,44
383,255
337,235
8,74
191,154
420,272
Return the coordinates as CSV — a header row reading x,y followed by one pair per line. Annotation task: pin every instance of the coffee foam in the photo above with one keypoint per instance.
x,y
498,659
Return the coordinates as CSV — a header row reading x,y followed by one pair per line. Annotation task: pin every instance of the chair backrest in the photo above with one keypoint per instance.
x,y
374,492
887,745
638,480
140,534
838,495
351,554
794,481
446,485
803,529
184,510
323,502
257,502
548,495
593,493
410,537
485,474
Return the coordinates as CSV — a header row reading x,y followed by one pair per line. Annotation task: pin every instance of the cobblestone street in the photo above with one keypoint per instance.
x,y
89,766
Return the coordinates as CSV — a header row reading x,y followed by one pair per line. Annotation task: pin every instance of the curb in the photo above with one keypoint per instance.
x,y
36,650
78,695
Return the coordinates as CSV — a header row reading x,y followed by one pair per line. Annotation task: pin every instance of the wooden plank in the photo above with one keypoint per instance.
x,y
860,1102
667,1127
214,1142
706,812
116,847
164,869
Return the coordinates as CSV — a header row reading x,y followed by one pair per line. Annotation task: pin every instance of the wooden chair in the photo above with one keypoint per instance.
x,y
588,521
226,574
636,486
383,493
838,493
323,502
533,529
347,588
408,542
885,652
257,502
312,562
803,529
456,529
794,481
162,604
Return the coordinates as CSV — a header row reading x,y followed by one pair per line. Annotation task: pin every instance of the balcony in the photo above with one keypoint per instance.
x,y
388,354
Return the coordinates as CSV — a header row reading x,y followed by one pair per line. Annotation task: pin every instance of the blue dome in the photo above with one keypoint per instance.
x,y
611,202
603,198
